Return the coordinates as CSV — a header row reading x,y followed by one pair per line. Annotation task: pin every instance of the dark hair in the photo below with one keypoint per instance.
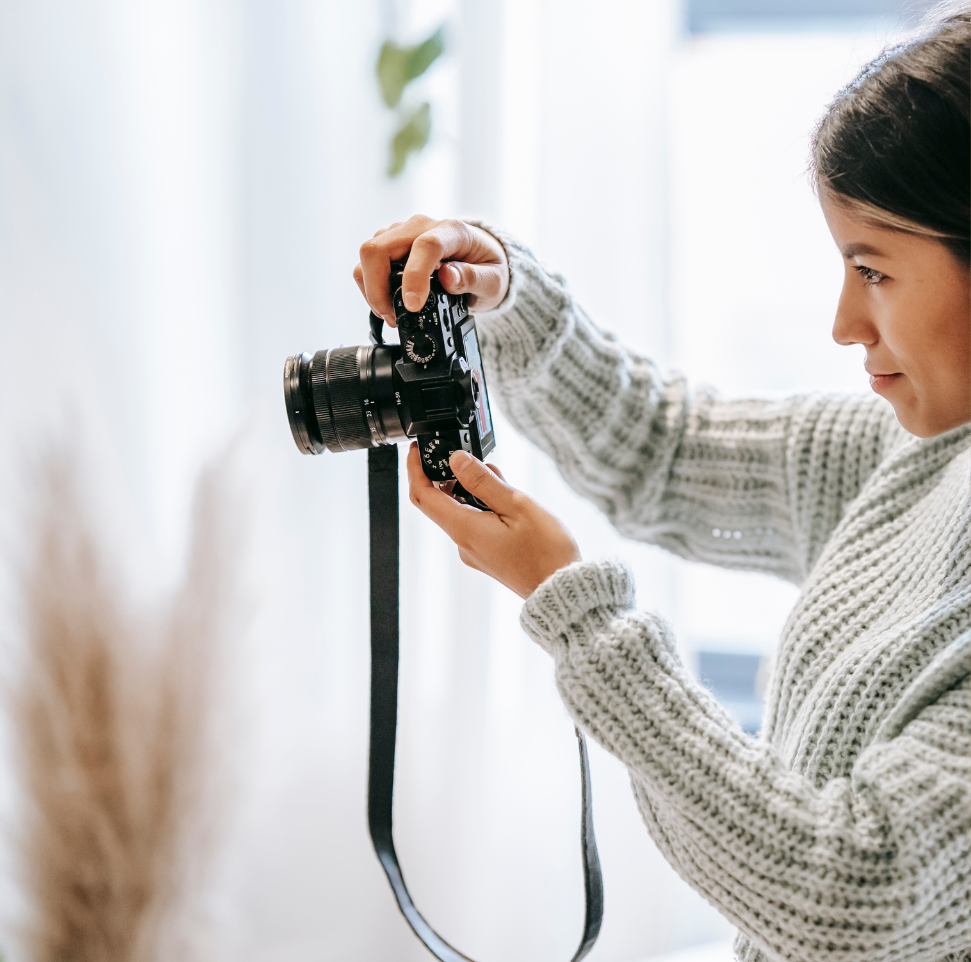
x,y
895,144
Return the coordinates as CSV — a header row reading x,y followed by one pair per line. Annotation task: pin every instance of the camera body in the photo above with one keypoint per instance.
x,y
430,386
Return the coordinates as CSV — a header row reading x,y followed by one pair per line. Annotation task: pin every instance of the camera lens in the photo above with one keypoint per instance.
x,y
300,404
342,399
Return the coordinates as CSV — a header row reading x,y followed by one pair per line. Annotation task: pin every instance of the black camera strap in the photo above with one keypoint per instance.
x,y
383,503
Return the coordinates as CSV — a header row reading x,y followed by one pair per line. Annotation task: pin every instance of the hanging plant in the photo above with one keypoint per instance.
x,y
396,68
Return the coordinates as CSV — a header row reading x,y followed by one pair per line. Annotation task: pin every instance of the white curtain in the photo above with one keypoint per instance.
x,y
183,188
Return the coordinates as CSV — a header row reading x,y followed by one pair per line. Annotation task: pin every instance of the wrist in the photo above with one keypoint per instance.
x,y
553,567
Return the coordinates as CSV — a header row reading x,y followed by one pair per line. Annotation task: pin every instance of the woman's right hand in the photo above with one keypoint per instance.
x,y
468,259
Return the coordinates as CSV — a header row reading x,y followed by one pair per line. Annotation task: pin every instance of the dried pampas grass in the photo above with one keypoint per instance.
x,y
115,723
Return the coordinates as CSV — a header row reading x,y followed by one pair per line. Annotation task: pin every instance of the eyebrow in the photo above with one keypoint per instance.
x,y
853,250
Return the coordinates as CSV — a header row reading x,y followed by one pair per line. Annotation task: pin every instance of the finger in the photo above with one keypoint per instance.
x,y
448,239
453,518
482,282
359,279
496,471
480,481
375,267
389,244
376,254
449,488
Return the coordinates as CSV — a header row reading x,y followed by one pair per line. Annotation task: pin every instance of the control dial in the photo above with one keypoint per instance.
x,y
421,348
435,453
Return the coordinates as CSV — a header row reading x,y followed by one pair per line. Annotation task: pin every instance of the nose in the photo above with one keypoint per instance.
x,y
853,323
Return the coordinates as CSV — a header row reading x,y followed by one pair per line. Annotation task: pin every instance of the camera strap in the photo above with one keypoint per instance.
x,y
383,504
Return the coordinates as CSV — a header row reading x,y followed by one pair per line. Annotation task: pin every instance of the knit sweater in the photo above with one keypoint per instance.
x,y
842,831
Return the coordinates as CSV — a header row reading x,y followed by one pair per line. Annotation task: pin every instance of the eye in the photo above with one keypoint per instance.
x,y
870,277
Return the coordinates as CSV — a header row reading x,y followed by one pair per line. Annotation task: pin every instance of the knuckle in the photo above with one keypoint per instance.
x,y
418,223
370,248
517,500
491,282
472,474
430,243
415,497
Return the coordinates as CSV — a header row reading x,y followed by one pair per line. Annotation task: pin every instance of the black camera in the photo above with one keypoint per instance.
x,y
430,386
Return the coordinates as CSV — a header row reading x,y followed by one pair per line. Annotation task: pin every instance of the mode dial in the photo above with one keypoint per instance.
x,y
435,454
421,348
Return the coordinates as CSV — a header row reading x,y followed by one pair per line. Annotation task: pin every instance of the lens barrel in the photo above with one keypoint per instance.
x,y
342,399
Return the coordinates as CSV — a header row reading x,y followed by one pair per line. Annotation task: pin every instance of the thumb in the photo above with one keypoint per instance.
x,y
477,479
482,281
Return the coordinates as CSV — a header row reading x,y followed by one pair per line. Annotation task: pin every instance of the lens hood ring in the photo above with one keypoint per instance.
x,y
298,395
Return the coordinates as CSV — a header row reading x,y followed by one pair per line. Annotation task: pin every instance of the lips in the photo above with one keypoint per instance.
x,y
879,382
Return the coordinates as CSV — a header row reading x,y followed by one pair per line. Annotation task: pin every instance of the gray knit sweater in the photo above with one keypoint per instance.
x,y
843,831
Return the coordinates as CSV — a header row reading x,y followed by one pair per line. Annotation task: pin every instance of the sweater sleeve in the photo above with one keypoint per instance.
x,y
750,484
871,867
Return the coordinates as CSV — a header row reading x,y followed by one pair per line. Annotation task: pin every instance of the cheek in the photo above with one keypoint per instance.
x,y
942,333
931,339
894,319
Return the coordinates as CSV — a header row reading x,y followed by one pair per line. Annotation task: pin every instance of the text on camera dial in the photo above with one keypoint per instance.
x,y
436,453
421,348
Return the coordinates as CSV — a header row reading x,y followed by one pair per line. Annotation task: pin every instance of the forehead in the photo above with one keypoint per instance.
x,y
848,227
856,237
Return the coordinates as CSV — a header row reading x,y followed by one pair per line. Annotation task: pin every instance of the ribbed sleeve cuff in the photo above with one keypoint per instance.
x,y
574,594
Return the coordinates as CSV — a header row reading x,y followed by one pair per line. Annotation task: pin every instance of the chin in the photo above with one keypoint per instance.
x,y
922,425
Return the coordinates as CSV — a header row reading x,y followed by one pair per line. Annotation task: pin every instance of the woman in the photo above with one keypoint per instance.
x,y
843,830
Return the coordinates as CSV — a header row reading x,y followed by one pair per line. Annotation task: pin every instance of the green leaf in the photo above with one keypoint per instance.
x,y
398,66
410,138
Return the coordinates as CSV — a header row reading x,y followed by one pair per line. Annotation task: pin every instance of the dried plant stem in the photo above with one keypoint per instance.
x,y
114,724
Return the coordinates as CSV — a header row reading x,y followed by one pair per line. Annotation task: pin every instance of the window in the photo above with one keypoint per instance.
x,y
708,16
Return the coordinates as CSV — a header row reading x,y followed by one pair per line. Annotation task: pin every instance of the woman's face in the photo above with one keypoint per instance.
x,y
907,300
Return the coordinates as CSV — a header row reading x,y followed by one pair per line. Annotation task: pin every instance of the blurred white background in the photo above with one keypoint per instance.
x,y
183,189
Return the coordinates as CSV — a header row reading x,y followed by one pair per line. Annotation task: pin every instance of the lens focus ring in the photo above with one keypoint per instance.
x,y
338,399
318,388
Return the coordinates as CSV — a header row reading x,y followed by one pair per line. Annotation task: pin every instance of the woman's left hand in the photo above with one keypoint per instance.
x,y
519,543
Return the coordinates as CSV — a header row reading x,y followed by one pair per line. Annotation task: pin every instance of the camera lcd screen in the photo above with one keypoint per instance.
x,y
483,416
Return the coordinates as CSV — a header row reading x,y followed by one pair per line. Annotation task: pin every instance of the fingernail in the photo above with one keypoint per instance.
x,y
412,301
454,276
